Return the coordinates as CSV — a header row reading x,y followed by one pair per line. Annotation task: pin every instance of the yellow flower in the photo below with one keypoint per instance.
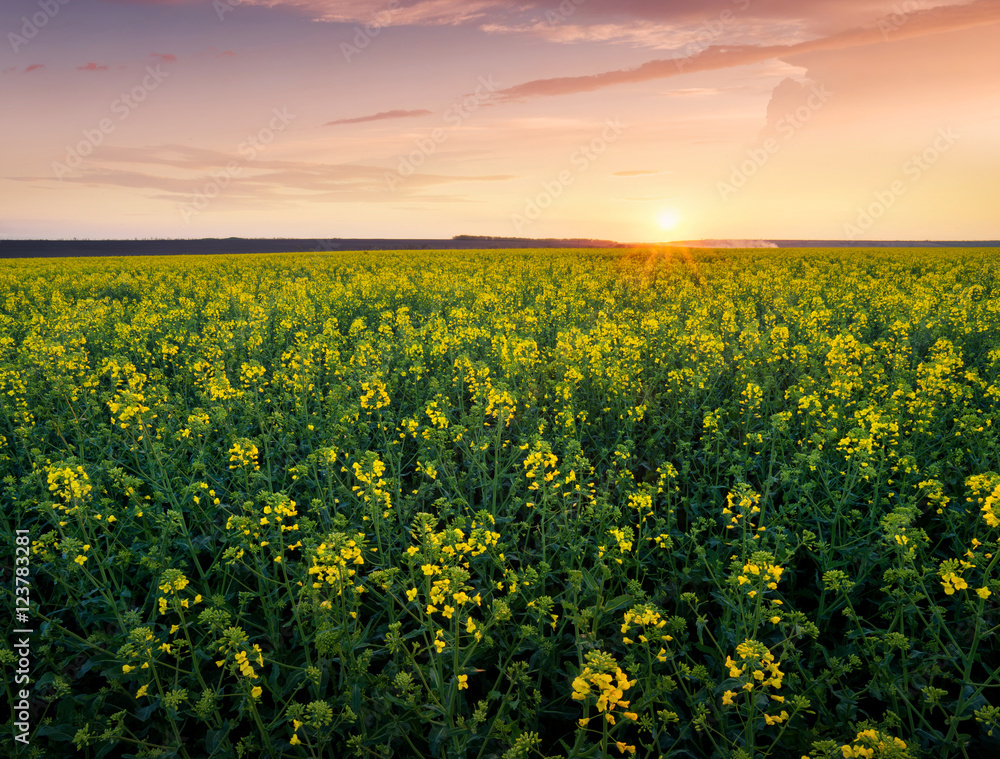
x,y
777,719
463,682
727,698
620,745
411,594
295,740
126,668
256,691
142,691
983,593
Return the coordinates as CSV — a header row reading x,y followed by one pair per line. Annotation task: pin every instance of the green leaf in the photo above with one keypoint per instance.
x,y
143,714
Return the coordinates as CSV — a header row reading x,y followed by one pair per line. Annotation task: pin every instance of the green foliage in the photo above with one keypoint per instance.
x,y
507,504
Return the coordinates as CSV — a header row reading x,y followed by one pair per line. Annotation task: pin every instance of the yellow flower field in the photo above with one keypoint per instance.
x,y
650,502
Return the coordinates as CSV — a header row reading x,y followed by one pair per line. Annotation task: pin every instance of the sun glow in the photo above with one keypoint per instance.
x,y
668,219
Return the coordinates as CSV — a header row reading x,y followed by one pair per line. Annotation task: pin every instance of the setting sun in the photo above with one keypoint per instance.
x,y
668,219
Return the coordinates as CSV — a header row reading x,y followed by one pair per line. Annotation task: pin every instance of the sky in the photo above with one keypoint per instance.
x,y
631,120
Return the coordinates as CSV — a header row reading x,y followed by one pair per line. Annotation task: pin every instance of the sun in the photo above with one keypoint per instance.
x,y
668,219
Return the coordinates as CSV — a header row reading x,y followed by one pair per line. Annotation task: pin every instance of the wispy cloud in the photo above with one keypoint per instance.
x,y
933,21
383,116
34,67
92,67
591,20
422,12
163,57
266,181
694,92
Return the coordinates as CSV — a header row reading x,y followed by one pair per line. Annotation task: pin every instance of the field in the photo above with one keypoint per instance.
x,y
504,504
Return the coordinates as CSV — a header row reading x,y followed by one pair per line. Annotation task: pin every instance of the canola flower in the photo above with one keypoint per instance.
x,y
874,744
606,685
394,495
755,666
244,453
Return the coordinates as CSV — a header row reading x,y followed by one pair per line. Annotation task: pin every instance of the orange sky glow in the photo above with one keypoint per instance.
x,y
633,120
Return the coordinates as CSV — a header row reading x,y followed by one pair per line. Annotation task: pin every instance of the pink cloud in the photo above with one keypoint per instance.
x,y
163,2
226,54
398,114
362,11
420,12
163,57
552,19
91,67
34,67
934,21
265,182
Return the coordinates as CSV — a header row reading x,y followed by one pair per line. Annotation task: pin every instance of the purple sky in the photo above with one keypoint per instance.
x,y
624,119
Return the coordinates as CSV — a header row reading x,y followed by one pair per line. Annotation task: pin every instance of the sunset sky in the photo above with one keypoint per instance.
x,y
634,120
